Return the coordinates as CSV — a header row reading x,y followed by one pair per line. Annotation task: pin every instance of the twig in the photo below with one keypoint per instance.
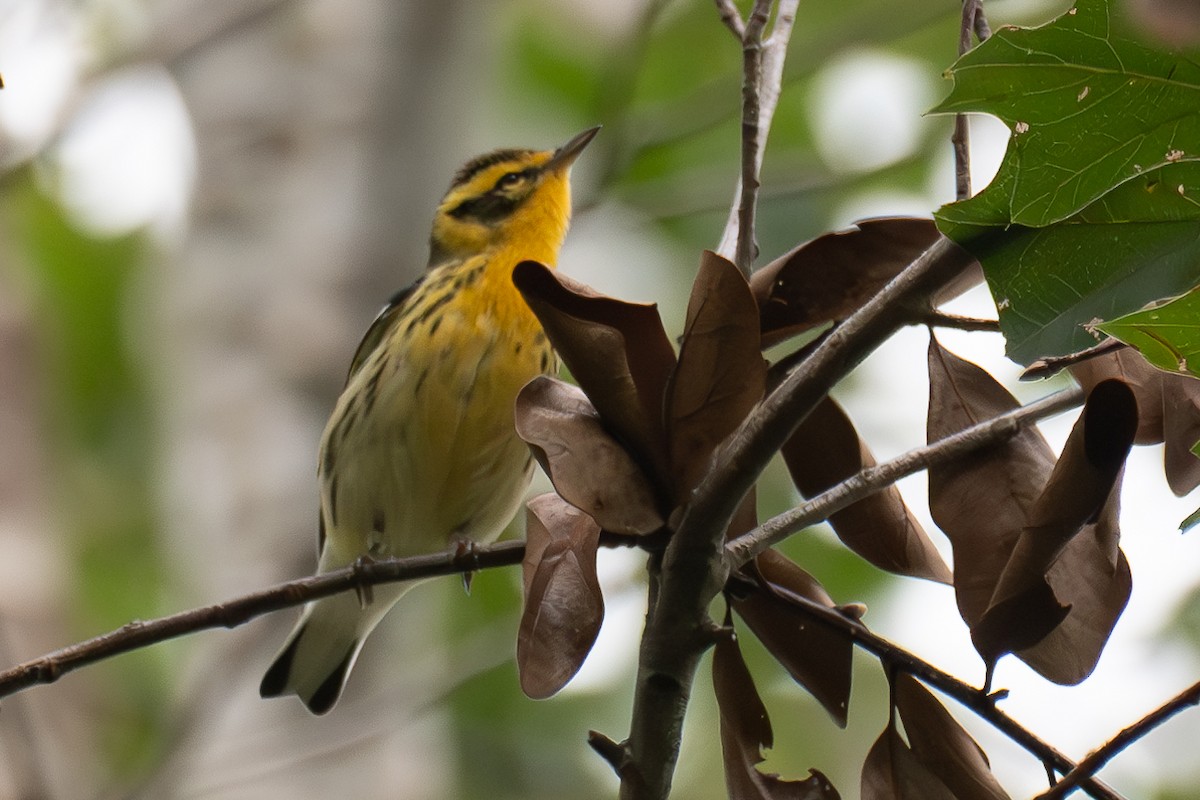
x,y
230,614
731,18
1085,769
874,479
983,31
762,80
973,21
940,319
895,658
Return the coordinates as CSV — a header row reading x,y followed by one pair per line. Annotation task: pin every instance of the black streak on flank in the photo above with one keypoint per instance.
x,y
333,493
371,390
421,380
433,307
330,454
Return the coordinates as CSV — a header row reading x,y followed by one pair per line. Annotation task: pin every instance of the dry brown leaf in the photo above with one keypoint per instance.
x,y
617,351
1018,621
1084,579
1181,431
830,277
1082,484
1168,409
942,745
563,604
746,730
720,375
589,468
817,656
980,501
984,501
824,451
892,772
1145,381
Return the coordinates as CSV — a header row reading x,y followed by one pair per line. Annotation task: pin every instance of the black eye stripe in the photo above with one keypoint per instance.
x,y
488,208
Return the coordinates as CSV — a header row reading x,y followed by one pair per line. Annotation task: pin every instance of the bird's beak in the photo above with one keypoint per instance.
x,y
565,156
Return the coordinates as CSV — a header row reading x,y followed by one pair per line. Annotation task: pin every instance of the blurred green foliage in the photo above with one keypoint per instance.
x,y
100,449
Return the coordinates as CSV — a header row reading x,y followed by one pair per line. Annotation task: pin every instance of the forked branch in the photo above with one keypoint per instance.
x,y
762,81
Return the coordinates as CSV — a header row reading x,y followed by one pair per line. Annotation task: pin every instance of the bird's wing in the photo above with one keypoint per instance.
x,y
382,325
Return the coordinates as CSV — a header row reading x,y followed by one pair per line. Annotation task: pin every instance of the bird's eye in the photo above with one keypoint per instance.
x,y
510,179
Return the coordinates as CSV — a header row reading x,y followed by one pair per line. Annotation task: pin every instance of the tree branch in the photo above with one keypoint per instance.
x,y
230,614
973,21
875,479
1082,773
895,658
762,80
731,18
939,319
694,569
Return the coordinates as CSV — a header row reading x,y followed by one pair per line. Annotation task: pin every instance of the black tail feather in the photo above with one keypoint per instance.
x,y
330,690
274,683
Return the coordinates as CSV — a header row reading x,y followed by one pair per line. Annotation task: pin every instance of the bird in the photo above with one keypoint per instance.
x,y
420,453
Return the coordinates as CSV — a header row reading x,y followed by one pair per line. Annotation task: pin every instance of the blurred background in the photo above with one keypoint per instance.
x,y
202,205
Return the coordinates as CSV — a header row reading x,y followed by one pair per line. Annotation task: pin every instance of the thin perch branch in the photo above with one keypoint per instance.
x,y
877,478
134,635
1084,770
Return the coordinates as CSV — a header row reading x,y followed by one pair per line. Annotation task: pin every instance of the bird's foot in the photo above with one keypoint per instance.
x,y
464,556
364,590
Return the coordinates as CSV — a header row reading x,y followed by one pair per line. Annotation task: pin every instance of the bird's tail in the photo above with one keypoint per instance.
x,y
322,648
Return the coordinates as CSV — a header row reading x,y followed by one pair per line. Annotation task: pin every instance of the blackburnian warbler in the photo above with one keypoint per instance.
x,y
420,452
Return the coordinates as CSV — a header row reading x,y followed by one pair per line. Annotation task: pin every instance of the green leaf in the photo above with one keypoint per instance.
x,y
1167,335
1089,111
1094,211
1049,283
1190,521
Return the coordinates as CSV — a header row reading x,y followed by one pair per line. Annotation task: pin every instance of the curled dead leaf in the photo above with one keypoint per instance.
x,y
563,604
1080,486
589,468
941,745
985,501
746,730
617,351
830,277
817,656
720,375
1168,409
824,451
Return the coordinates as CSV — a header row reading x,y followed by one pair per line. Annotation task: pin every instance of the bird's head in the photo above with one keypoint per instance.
x,y
508,198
